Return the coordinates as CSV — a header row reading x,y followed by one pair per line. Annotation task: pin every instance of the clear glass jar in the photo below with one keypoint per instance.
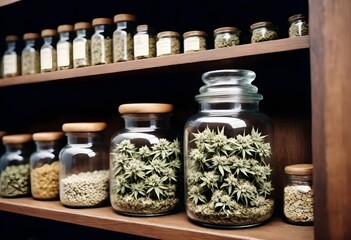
x,y
14,166
123,47
168,43
226,37
298,194
44,165
298,25
101,41
194,41
30,57
64,47
82,45
144,42
48,54
145,162
263,31
11,59
227,153
84,166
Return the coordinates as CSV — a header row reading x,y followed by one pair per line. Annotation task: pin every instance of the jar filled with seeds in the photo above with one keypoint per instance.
x,y
263,31
144,42
228,153
123,47
30,57
64,47
14,166
101,41
194,41
298,194
168,43
84,166
81,45
146,162
44,165
11,59
48,54
298,25
226,37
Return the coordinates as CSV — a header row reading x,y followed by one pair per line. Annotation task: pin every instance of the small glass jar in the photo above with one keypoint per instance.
x,y
168,43
14,166
144,42
226,37
84,166
145,162
82,45
101,41
263,31
227,152
123,47
44,165
298,25
298,194
11,59
194,41
30,57
64,47
48,54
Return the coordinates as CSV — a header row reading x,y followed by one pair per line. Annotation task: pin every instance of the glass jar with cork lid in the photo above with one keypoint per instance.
x,y
226,37
263,31
167,43
48,54
82,45
298,25
101,41
11,59
144,41
194,41
30,56
64,47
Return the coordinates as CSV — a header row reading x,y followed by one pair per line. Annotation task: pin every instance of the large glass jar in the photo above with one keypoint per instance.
x,y
44,165
145,162
84,166
101,41
30,57
14,166
123,47
11,59
227,153
48,54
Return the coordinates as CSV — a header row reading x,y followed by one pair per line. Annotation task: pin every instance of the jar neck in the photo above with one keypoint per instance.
x,y
11,46
230,106
64,36
45,145
83,138
99,28
82,33
299,179
48,40
30,43
147,121
14,147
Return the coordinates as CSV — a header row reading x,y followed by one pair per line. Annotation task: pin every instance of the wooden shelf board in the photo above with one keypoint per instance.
x,y
175,226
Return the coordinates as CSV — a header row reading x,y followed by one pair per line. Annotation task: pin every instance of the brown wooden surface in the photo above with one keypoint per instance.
x,y
7,2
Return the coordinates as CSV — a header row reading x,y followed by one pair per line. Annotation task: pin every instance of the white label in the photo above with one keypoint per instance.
x,y
63,55
79,50
191,44
45,58
163,46
141,45
10,64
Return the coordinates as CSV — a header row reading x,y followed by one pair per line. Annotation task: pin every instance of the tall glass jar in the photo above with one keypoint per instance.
x,y
123,47
298,194
48,54
11,59
84,166
14,166
30,57
144,41
227,153
64,47
145,162
101,41
82,45
44,165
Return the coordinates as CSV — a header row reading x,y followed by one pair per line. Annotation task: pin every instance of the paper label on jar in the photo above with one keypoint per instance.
x,y
163,46
63,55
79,51
141,45
191,44
46,58
10,64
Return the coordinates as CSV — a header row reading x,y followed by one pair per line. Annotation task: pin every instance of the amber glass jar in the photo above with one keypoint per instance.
x,y
11,59
123,46
30,57
84,169
227,153
145,162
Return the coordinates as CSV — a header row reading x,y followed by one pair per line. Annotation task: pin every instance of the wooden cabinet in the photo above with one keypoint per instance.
x,y
303,81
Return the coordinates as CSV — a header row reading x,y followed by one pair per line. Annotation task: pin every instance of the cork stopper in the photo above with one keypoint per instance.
x,y
124,17
28,36
101,21
16,138
47,136
48,32
82,25
65,28
11,38
145,108
84,127
299,169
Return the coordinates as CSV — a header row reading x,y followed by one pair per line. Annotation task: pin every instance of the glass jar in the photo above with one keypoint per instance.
x,y
227,153
194,41
82,45
48,55
145,162
30,57
298,194
298,25
123,47
84,166
144,42
101,41
44,165
64,47
226,37
11,59
263,31
2,147
168,43
14,166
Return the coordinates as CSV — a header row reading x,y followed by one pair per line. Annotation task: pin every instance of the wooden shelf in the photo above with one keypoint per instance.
x,y
226,57
175,226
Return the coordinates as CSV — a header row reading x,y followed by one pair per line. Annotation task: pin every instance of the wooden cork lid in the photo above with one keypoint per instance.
x,y
2,133
299,169
48,32
84,127
65,28
47,136
124,17
101,21
28,36
16,138
11,38
82,25
145,108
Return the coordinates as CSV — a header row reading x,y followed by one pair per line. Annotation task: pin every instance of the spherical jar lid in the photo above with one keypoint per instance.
x,y
84,127
47,136
299,169
145,108
228,85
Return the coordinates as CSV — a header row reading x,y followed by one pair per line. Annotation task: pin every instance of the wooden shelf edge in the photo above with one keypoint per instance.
x,y
203,57
175,226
